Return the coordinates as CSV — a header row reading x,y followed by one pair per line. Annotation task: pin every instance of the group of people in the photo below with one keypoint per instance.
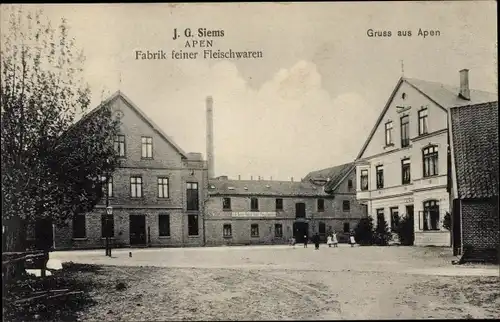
x,y
331,239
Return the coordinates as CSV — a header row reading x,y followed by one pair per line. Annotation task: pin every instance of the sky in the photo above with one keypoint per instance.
x,y
309,102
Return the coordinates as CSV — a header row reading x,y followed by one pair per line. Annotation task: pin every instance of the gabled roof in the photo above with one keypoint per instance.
x,y
330,177
474,131
141,114
445,96
263,188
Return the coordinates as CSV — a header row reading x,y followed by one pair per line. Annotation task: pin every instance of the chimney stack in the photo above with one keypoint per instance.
x,y
210,137
464,84
271,178
292,179
251,177
239,177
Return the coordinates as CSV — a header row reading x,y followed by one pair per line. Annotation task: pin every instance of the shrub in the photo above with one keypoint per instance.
x,y
405,230
364,231
382,233
447,221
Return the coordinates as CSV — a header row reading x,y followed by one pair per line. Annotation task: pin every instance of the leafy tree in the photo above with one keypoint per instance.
x,y
363,233
405,230
51,162
382,232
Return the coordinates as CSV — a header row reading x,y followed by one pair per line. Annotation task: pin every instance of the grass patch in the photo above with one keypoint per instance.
x,y
66,308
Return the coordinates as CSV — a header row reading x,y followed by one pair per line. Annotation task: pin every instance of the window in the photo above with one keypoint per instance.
x,y
322,228
347,227
364,180
380,216
321,204
430,160
254,204
227,231
109,187
79,226
164,225
279,204
192,195
380,176
119,143
300,210
405,171
394,218
349,184
422,121
107,225
405,131
147,147
388,133
163,191
136,187
278,230
226,203
346,205
254,230
193,225
431,215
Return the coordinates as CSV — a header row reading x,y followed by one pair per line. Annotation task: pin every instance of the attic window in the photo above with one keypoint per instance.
x,y
403,96
246,188
230,188
268,186
212,187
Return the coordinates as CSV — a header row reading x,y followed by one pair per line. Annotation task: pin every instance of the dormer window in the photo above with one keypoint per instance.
x,y
403,96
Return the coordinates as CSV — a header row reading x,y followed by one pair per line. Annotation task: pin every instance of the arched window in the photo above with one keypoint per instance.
x,y
431,215
430,160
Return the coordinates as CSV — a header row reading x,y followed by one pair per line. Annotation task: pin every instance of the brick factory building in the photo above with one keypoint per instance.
x,y
157,194
243,212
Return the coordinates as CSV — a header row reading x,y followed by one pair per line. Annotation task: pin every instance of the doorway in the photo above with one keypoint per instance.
x,y
300,229
409,213
137,229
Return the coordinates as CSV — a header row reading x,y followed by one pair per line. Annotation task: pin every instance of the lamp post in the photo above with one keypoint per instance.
x,y
109,212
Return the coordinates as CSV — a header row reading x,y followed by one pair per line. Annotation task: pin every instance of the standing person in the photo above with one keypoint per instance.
x,y
329,240
316,241
305,241
351,239
292,242
335,241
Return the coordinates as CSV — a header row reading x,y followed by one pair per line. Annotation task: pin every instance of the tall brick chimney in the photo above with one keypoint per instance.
x,y
210,137
464,84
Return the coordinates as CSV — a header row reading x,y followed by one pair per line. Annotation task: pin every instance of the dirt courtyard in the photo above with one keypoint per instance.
x,y
279,282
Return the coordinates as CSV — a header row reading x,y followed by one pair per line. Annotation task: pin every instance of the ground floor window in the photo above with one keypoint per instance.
x,y
79,229
347,227
431,215
193,225
226,230
107,226
254,230
394,218
164,225
380,216
322,228
278,230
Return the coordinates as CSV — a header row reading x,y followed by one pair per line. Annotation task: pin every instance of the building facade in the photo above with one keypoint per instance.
x,y
474,180
244,212
403,166
157,193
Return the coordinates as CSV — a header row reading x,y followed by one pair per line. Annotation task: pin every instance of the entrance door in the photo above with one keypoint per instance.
x,y
299,230
409,212
137,229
